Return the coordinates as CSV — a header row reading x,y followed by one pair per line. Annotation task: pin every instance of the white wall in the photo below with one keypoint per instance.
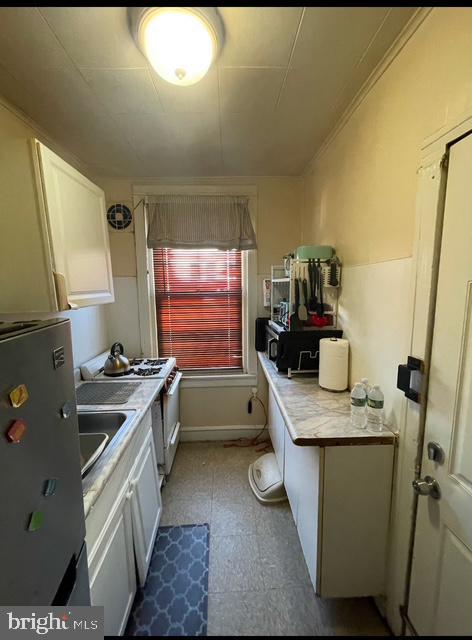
x,y
360,196
88,327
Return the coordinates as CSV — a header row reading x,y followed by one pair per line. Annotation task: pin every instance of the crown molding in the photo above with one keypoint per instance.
x,y
390,55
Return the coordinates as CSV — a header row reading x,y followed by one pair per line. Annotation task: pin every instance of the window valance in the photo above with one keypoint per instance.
x,y
206,222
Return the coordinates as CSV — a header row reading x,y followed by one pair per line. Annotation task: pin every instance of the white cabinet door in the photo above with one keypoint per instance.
x,y
146,505
276,426
76,214
302,483
111,567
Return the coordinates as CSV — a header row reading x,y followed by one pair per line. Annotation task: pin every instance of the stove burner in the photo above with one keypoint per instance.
x,y
155,363
134,361
142,371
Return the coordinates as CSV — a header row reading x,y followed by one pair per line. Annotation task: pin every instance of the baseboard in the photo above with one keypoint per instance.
x,y
226,432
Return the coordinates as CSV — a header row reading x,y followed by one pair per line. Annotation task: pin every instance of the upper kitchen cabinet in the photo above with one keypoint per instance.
x,y
54,245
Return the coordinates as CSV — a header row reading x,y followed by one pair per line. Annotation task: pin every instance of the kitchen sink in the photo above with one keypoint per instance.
x,y
97,429
101,421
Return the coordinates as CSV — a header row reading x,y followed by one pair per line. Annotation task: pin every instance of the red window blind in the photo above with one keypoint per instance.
x,y
198,303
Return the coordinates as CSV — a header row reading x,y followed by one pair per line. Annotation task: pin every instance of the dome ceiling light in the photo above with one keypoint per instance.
x,y
180,42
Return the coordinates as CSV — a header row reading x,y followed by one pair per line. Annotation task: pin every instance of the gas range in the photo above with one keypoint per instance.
x,y
140,368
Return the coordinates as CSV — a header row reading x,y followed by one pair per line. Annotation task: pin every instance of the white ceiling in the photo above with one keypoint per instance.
x,y
283,78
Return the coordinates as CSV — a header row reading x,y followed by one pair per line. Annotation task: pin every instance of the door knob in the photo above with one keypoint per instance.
x,y
427,487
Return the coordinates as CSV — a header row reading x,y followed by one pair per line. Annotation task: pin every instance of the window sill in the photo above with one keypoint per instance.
x,y
215,380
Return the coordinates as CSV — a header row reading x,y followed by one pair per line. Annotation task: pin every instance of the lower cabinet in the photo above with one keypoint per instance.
x,y
112,570
121,530
340,501
146,506
302,482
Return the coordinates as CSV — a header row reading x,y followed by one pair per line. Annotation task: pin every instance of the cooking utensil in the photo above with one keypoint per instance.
x,y
320,309
116,364
305,294
333,274
294,321
302,310
312,275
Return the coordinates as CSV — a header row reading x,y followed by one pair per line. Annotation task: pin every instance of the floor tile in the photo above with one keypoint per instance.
x,y
178,511
231,482
274,519
293,612
282,561
232,456
189,483
234,564
242,613
232,517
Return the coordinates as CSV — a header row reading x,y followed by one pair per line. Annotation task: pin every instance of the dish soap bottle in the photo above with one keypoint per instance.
x,y
358,406
375,408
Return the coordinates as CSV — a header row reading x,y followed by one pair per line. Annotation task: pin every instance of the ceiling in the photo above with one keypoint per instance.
x,y
284,76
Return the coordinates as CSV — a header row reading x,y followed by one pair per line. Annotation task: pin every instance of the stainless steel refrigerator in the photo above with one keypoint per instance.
x,y
43,558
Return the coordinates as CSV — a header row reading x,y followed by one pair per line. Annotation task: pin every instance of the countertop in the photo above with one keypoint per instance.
x,y
138,405
313,416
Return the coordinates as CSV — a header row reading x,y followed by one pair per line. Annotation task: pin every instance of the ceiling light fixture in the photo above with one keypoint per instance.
x,y
180,42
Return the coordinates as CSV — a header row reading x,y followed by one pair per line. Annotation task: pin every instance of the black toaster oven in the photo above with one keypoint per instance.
x,y
296,350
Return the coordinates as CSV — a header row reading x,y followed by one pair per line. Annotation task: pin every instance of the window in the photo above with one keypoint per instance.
x,y
199,308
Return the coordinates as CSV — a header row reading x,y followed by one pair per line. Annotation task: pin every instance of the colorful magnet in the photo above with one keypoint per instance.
x,y
36,521
19,395
50,487
16,431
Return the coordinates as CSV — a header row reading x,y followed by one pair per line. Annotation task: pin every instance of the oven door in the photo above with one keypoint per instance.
x,y
171,418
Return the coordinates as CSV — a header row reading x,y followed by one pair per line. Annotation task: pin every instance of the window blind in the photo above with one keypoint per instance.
x,y
199,307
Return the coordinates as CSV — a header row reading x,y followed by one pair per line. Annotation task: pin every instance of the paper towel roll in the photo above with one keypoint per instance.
x,y
334,358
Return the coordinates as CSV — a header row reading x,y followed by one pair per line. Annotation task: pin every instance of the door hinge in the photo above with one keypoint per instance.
x,y
410,378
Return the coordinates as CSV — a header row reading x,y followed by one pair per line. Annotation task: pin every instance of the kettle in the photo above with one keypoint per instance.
x,y
116,364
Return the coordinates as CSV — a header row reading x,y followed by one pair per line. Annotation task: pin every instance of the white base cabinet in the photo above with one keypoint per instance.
x,y
121,529
146,506
340,500
112,572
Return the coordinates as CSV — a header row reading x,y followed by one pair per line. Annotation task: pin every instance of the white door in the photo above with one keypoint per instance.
x,y
78,233
111,568
146,506
441,585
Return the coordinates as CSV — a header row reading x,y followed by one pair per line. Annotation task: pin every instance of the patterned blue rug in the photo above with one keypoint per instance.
x,y
174,600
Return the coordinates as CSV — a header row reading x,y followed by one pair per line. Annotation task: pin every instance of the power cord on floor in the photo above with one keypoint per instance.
x,y
252,442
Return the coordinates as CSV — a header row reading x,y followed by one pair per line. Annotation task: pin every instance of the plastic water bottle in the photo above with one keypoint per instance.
x,y
375,408
366,384
358,406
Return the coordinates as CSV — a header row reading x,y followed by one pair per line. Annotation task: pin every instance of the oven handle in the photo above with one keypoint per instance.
x,y
175,383
175,433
